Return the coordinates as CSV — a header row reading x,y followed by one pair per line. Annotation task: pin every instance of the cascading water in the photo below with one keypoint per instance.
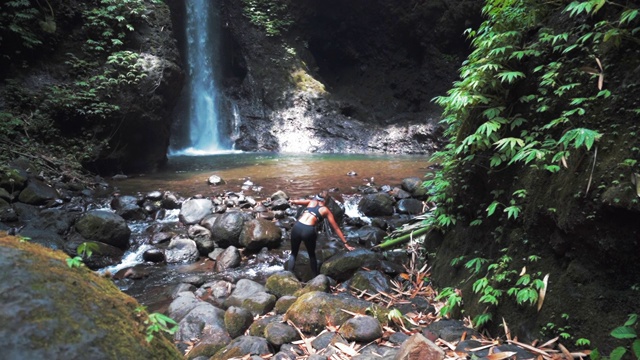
x,y
207,130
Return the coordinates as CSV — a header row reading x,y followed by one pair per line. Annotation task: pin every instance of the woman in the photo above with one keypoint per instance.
x,y
304,230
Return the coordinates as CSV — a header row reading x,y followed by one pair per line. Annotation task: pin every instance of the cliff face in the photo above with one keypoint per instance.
x,y
88,82
355,77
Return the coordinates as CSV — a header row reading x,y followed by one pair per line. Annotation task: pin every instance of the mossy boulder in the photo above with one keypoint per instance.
x,y
37,193
53,312
283,283
315,310
104,226
361,329
242,346
237,320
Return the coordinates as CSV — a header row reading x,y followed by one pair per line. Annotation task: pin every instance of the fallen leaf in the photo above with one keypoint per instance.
x,y
346,349
501,355
543,291
565,352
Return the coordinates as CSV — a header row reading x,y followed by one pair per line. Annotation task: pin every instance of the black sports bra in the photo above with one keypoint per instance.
x,y
315,210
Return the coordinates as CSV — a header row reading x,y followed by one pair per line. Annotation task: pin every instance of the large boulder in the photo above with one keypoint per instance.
x,y
104,226
181,250
259,233
243,346
343,265
202,236
37,193
315,310
378,204
361,329
227,228
372,281
127,207
283,283
53,312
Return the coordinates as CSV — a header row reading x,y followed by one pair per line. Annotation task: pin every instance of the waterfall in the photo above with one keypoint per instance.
x,y
207,129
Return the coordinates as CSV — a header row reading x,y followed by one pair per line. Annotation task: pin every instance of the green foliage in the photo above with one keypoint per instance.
x,y
19,19
625,332
157,323
84,250
453,300
271,15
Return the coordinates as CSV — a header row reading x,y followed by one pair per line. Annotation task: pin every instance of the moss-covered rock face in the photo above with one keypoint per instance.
x,y
283,283
53,312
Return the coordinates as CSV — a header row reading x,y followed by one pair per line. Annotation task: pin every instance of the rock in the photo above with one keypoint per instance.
x,y
451,330
280,204
259,303
202,237
278,334
361,329
378,204
37,193
414,186
182,305
13,179
45,238
318,283
343,265
370,235
230,258
323,341
284,303
237,320
104,226
283,283
419,348
245,288
170,201
227,228
258,326
410,206
181,250
215,180
127,207
194,210
161,237
314,310
279,195
153,255
75,312
243,346
5,196
259,233
215,292
202,315
102,254
372,281
399,193
153,195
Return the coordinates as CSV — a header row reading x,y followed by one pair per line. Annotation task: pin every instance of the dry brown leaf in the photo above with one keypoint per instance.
x,y
543,291
563,160
346,349
565,352
501,355
530,348
506,329
599,65
550,342
523,271
600,81
590,70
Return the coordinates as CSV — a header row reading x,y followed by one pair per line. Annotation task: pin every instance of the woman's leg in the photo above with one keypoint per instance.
x,y
296,239
310,244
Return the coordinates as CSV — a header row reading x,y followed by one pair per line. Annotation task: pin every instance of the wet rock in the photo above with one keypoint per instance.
x,y
194,210
372,281
181,250
378,204
202,237
102,254
161,237
280,204
410,206
278,334
418,348
170,201
314,310
153,195
37,193
104,226
283,283
227,228
259,233
343,265
398,338
153,255
243,346
8,214
57,307
5,196
399,193
215,180
328,338
45,238
414,186
182,305
370,235
215,292
14,179
230,258
284,303
209,220
127,207
279,195
361,329
237,320
182,287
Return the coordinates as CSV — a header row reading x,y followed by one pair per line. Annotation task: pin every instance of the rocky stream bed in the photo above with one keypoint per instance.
x,y
214,264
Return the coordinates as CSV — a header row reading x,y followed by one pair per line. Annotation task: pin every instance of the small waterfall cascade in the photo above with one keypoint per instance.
x,y
207,129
